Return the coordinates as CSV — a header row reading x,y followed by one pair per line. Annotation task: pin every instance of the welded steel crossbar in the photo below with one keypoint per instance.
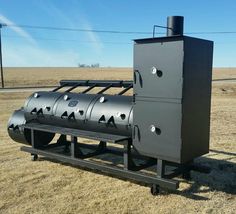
x,y
106,84
99,83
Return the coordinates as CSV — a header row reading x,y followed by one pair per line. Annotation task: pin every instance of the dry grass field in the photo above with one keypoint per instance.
x,y
51,187
51,76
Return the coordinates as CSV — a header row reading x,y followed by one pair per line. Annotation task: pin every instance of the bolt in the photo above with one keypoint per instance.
x,y
102,99
36,95
66,97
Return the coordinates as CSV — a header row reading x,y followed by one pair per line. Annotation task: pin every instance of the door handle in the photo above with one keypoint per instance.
x,y
135,78
139,77
136,132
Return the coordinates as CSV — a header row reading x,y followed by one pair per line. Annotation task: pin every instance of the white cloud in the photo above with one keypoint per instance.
x,y
17,29
78,20
95,40
51,10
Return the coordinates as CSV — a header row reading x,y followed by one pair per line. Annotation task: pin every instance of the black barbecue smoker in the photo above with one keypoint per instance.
x,y
163,126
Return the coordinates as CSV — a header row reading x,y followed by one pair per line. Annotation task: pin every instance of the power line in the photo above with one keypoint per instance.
x,y
109,31
79,30
65,40
79,41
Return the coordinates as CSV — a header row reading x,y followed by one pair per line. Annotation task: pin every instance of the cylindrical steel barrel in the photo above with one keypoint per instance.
x,y
94,112
111,114
71,109
21,135
39,106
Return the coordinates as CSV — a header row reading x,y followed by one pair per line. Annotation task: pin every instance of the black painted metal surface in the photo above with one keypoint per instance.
x,y
147,179
167,118
172,87
82,111
175,25
22,135
99,83
75,132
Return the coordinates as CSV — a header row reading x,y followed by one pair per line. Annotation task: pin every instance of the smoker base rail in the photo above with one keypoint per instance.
x,y
76,153
116,171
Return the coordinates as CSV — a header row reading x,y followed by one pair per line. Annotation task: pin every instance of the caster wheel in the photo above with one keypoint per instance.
x,y
186,176
155,189
34,157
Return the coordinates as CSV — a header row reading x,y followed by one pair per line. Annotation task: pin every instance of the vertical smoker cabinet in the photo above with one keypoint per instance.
x,y
172,96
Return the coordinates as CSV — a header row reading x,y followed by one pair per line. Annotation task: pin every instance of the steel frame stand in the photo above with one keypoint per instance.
x,y
72,153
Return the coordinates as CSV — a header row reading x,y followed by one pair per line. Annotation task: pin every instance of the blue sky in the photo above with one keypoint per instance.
x,y
33,47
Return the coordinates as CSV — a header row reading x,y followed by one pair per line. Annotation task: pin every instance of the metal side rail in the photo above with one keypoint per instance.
x,y
75,132
74,155
119,172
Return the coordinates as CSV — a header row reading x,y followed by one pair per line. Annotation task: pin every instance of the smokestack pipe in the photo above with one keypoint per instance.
x,y
175,25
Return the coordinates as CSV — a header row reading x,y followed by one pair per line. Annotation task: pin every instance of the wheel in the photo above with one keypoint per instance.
x,y
34,157
155,189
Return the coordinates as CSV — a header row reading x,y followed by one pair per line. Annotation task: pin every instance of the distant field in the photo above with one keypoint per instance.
x,y
51,76
51,187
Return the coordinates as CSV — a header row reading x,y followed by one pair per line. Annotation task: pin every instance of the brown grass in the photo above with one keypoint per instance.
x,y
51,76
50,187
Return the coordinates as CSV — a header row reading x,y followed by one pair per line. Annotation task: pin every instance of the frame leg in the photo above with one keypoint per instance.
x,y
102,146
128,162
160,168
34,157
161,165
62,139
75,150
32,139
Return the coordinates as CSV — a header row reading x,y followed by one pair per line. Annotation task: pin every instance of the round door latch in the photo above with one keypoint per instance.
x,y
152,128
157,72
155,129
153,70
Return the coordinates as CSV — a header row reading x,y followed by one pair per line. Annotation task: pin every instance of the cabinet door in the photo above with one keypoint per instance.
x,y
158,69
157,129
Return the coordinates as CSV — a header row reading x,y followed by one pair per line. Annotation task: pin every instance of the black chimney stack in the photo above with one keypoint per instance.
x,y
175,25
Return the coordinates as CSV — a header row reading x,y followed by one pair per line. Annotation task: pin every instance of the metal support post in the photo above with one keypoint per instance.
x,y
128,162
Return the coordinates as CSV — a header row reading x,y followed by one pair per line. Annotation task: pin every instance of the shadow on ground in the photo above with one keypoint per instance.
x,y
222,176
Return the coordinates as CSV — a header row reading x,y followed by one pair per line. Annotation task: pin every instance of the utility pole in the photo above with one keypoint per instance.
x,y
2,78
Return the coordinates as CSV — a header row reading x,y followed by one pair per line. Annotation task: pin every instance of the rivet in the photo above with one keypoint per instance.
x,y
36,95
102,99
66,97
